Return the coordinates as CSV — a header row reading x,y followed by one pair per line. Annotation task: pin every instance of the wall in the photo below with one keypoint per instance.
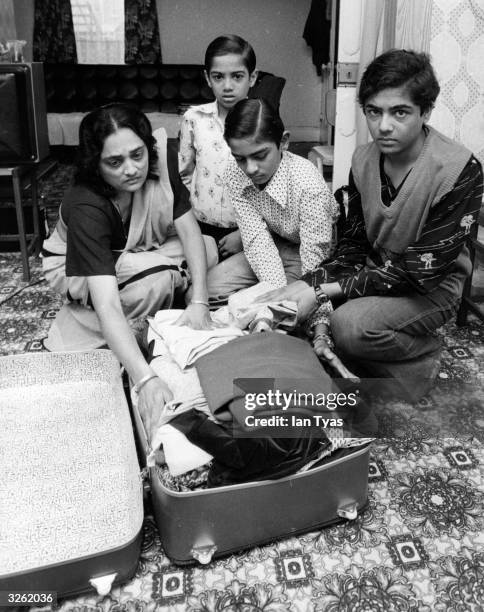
x,y
273,27
457,50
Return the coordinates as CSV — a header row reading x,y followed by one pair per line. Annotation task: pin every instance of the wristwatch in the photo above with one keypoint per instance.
x,y
321,296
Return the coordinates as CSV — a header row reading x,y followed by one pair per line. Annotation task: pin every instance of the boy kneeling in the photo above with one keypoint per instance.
x,y
399,268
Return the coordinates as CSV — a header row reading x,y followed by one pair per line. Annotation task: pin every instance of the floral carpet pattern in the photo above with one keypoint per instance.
x,y
419,545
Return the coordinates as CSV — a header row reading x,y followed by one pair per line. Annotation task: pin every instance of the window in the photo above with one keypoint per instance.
x,y
99,31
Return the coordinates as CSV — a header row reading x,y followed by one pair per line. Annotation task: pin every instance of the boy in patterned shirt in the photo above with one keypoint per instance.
x,y
283,207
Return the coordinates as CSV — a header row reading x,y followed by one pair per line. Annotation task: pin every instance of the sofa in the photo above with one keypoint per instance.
x,y
162,91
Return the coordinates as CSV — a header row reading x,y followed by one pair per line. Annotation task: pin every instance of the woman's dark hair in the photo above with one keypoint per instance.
x,y
254,118
93,131
400,68
223,45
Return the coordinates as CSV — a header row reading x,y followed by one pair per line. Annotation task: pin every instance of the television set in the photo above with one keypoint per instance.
x,y
23,117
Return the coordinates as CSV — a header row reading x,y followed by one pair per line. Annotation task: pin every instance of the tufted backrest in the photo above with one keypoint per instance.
x,y
152,87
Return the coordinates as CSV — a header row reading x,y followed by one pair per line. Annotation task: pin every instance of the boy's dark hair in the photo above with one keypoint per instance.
x,y
223,45
254,118
95,128
401,68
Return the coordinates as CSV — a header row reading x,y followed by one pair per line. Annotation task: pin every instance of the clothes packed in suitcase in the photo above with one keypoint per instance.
x,y
71,503
71,507
215,491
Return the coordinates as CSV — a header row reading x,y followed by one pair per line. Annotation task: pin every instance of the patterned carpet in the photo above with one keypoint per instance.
x,y
419,546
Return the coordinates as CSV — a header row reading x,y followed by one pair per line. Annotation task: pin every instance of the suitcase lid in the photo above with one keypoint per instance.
x,y
70,475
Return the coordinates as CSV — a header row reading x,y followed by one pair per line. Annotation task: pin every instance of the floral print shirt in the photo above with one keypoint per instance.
x,y
202,161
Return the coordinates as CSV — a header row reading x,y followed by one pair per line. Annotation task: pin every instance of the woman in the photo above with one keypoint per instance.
x,y
114,254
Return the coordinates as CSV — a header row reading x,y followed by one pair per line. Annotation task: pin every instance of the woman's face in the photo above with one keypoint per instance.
x,y
124,161
258,160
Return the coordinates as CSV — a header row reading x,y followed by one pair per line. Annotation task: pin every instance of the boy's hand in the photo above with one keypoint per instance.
x,y
299,292
230,244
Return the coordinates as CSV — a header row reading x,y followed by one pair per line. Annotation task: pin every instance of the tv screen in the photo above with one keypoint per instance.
x,y
23,118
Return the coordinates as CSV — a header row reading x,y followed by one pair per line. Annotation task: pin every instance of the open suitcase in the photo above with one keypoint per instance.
x,y
204,524
71,504
71,496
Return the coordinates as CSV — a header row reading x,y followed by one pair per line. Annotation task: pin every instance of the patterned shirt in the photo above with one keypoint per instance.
x,y
361,271
202,161
296,204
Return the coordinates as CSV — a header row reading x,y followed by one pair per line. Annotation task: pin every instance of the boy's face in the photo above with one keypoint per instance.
x,y
395,122
258,160
229,79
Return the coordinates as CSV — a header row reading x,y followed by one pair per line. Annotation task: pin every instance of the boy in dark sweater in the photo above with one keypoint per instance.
x,y
400,265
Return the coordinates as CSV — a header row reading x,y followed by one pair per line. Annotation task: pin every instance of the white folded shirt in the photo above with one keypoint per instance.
x,y
180,454
244,311
186,345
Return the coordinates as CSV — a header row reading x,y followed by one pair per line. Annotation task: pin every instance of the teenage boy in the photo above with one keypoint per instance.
x,y
400,265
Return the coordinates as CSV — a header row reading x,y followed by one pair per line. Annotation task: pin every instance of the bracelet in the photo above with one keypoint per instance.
x,y
142,382
200,302
326,337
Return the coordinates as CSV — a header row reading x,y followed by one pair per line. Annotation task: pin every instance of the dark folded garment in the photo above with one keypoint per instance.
x,y
271,359
239,460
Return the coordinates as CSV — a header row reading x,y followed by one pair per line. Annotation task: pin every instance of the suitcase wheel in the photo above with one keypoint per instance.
x,y
203,554
350,511
103,584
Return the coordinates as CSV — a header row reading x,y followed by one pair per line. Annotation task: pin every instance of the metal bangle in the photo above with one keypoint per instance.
x,y
142,382
200,302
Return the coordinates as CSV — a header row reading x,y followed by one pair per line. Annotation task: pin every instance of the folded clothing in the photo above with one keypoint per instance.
x,y
180,454
184,385
193,480
261,316
268,360
239,460
186,345
192,439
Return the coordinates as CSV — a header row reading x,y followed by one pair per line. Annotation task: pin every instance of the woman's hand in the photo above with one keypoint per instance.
x,y
196,316
230,244
151,399
299,292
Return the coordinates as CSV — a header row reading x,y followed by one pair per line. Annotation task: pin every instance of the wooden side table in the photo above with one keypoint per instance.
x,y
29,243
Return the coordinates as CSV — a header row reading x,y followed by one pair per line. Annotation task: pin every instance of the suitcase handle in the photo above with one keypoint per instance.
x,y
350,511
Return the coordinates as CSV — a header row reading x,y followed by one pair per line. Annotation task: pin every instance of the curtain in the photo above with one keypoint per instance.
x,y
403,24
413,25
371,46
54,39
7,21
142,44
99,31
